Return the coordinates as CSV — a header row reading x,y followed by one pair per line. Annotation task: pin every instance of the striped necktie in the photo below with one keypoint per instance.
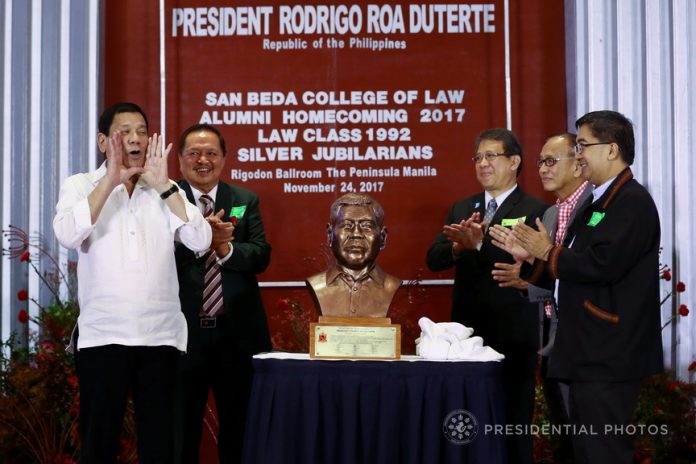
x,y
212,283
490,212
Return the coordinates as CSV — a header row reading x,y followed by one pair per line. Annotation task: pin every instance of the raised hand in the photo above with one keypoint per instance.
x,y
155,171
116,172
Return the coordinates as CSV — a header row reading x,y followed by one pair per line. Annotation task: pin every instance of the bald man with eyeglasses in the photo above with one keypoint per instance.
x,y
560,174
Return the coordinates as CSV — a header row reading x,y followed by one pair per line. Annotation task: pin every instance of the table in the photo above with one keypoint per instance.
x,y
320,411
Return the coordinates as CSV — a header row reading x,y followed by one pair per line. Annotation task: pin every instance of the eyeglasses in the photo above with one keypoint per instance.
x,y
489,155
579,147
550,162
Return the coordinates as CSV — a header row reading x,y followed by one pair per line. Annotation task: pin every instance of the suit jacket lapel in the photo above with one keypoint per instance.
x,y
187,189
479,206
224,199
582,203
507,206
550,220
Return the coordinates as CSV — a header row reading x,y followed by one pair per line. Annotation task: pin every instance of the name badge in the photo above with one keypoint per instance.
x,y
238,211
509,222
596,219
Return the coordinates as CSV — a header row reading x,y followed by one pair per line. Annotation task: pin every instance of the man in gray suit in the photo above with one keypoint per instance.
x,y
560,173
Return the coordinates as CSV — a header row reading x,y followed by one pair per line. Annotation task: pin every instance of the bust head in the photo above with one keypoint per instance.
x,y
356,231
356,286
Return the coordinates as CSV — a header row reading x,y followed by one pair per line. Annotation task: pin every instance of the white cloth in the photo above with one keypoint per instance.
x,y
127,283
451,340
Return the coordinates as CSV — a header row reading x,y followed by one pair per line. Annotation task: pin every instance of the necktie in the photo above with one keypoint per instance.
x,y
212,283
490,212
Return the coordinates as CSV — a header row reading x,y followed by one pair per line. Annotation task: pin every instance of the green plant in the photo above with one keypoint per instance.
x,y
39,395
39,401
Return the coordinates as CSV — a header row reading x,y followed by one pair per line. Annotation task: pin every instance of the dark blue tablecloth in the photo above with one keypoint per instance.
x,y
335,412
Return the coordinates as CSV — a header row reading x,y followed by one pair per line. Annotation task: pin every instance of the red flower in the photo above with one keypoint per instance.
x,y
25,256
23,316
683,310
72,381
283,304
681,286
692,366
44,356
22,295
48,346
673,385
667,275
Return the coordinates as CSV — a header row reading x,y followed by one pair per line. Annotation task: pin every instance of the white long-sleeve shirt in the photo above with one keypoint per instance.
x,y
127,283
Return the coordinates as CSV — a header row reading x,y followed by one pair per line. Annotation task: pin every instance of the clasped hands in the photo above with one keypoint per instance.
x,y
223,233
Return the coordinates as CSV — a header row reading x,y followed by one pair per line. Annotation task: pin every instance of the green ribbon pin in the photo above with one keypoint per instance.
x,y
238,211
509,222
596,219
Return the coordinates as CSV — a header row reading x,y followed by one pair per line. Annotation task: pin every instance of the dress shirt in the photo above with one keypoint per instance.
x,y
600,189
500,198
499,201
128,289
565,210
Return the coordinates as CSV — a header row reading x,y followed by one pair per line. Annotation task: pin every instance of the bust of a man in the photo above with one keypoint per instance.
x,y
355,285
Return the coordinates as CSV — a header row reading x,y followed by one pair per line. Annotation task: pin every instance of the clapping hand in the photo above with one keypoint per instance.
x,y
535,242
505,240
466,234
223,232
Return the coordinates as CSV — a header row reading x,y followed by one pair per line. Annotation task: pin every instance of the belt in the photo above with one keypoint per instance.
x,y
209,322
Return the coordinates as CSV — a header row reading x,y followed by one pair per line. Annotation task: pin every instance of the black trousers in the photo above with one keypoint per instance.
x,y
556,395
519,375
106,375
603,409
219,366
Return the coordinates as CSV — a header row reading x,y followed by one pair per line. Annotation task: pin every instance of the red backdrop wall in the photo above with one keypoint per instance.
x,y
459,60
415,206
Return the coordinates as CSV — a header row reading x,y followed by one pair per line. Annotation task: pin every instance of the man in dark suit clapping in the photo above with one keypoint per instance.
x,y
220,298
505,319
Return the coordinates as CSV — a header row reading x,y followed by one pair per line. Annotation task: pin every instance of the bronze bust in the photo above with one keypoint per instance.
x,y
355,285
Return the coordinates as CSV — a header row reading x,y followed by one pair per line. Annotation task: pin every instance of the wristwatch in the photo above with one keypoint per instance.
x,y
167,193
